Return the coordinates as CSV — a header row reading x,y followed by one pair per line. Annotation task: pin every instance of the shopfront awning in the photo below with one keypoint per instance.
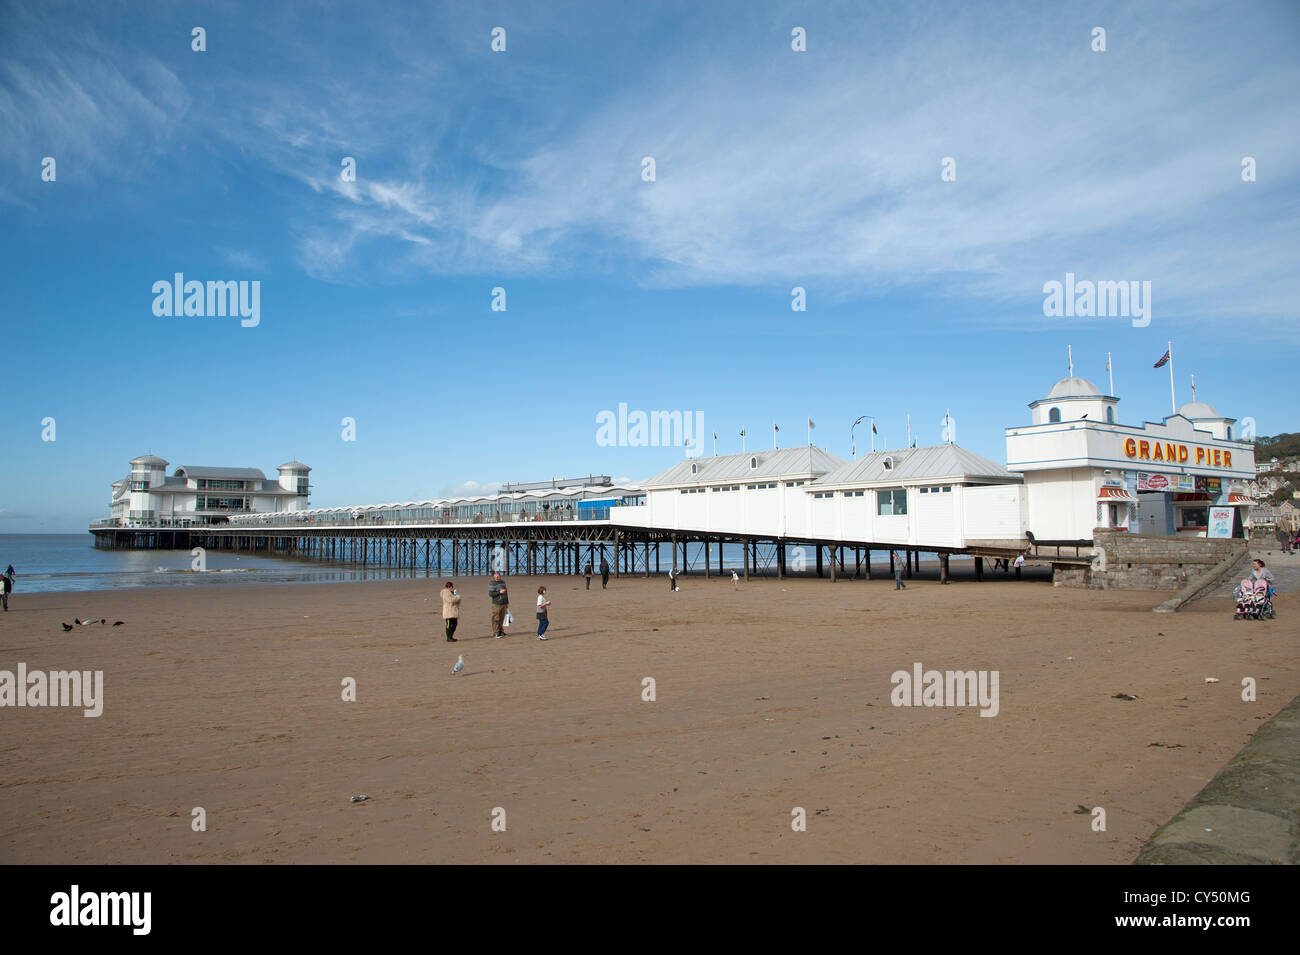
x,y
1240,500
1116,494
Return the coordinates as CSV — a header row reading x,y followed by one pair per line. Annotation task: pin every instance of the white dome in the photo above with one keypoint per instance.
x,y
151,460
1198,411
1074,388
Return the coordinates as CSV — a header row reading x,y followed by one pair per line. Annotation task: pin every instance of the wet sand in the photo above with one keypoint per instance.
x,y
771,697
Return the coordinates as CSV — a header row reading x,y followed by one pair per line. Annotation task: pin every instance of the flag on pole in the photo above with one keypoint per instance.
x,y
1164,360
811,423
873,428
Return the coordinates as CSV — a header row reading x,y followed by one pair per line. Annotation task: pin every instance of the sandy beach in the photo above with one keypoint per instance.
x,y
769,697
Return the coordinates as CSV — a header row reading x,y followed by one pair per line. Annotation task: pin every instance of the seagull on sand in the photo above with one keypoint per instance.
x,y
460,664
66,627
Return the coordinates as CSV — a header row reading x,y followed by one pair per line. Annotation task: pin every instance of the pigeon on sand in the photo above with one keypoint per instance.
x,y
460,664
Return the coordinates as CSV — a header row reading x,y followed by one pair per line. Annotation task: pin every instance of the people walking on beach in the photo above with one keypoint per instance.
x,y
604,573
500,604
542,620
4,592
735,579
898,571
450,610
672,580
586,573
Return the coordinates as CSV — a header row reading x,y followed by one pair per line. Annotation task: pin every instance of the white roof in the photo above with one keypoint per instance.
x,y
1199,411
1073,388
940,462
804,461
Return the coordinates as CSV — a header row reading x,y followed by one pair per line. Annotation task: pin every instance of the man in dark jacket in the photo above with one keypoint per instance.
x,y
604,573
500,604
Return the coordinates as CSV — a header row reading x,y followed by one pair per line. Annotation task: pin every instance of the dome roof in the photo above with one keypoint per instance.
x,y
295,465
1198,410
150,459
1074,388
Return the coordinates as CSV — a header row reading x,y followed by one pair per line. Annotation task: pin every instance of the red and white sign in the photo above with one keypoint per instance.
x,y
1153,482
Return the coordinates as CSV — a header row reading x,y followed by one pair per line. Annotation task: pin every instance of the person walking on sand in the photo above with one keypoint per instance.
x,y
586,573
604,573
500,604
4,592
735,579
898,572
450,610
672,580
542,620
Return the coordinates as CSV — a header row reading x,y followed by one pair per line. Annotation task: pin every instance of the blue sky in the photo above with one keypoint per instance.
x,y
522,170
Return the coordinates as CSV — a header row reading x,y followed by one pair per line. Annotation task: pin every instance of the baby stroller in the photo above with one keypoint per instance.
x,y
1254,600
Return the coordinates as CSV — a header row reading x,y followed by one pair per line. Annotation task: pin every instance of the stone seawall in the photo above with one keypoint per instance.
x,y
1127,561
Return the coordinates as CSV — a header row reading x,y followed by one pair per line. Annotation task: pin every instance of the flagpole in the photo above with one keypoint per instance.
x,y
715,444
1069,350
1173,404
742,440
774,430
1111,372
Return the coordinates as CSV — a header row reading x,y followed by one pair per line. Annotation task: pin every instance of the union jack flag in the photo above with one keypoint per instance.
x,y
1163,361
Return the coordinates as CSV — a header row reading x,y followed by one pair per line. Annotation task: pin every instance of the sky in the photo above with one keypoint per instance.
x,y
524,169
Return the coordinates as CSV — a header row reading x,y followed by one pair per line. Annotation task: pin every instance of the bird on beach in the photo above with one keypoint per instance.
x,y
66,626
460,664
118,623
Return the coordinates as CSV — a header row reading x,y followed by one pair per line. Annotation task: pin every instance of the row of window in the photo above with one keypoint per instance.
x,y
211,484
732,487
206,503
936,490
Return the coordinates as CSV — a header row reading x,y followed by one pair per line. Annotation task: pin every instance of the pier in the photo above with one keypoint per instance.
x,y
560,547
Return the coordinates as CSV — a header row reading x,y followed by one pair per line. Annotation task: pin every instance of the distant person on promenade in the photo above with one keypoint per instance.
x,y
898,572
450,610
500,604
1283,539
604,573
586,573
672,580
542,620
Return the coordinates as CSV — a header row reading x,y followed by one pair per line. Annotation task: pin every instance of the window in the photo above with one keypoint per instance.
x,y
889,463
947,489
1229,432
891,501
1054,415
1110,416
1197,517
695,469
926,490
753,464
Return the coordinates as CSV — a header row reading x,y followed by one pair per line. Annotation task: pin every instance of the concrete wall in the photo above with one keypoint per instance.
x,y
1127,561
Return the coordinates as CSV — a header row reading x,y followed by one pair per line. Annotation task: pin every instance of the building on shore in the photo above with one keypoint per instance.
x,y
1083,469
1071,471
194,496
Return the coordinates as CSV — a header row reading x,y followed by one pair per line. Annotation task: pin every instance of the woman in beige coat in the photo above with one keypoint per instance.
x,y
450,610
